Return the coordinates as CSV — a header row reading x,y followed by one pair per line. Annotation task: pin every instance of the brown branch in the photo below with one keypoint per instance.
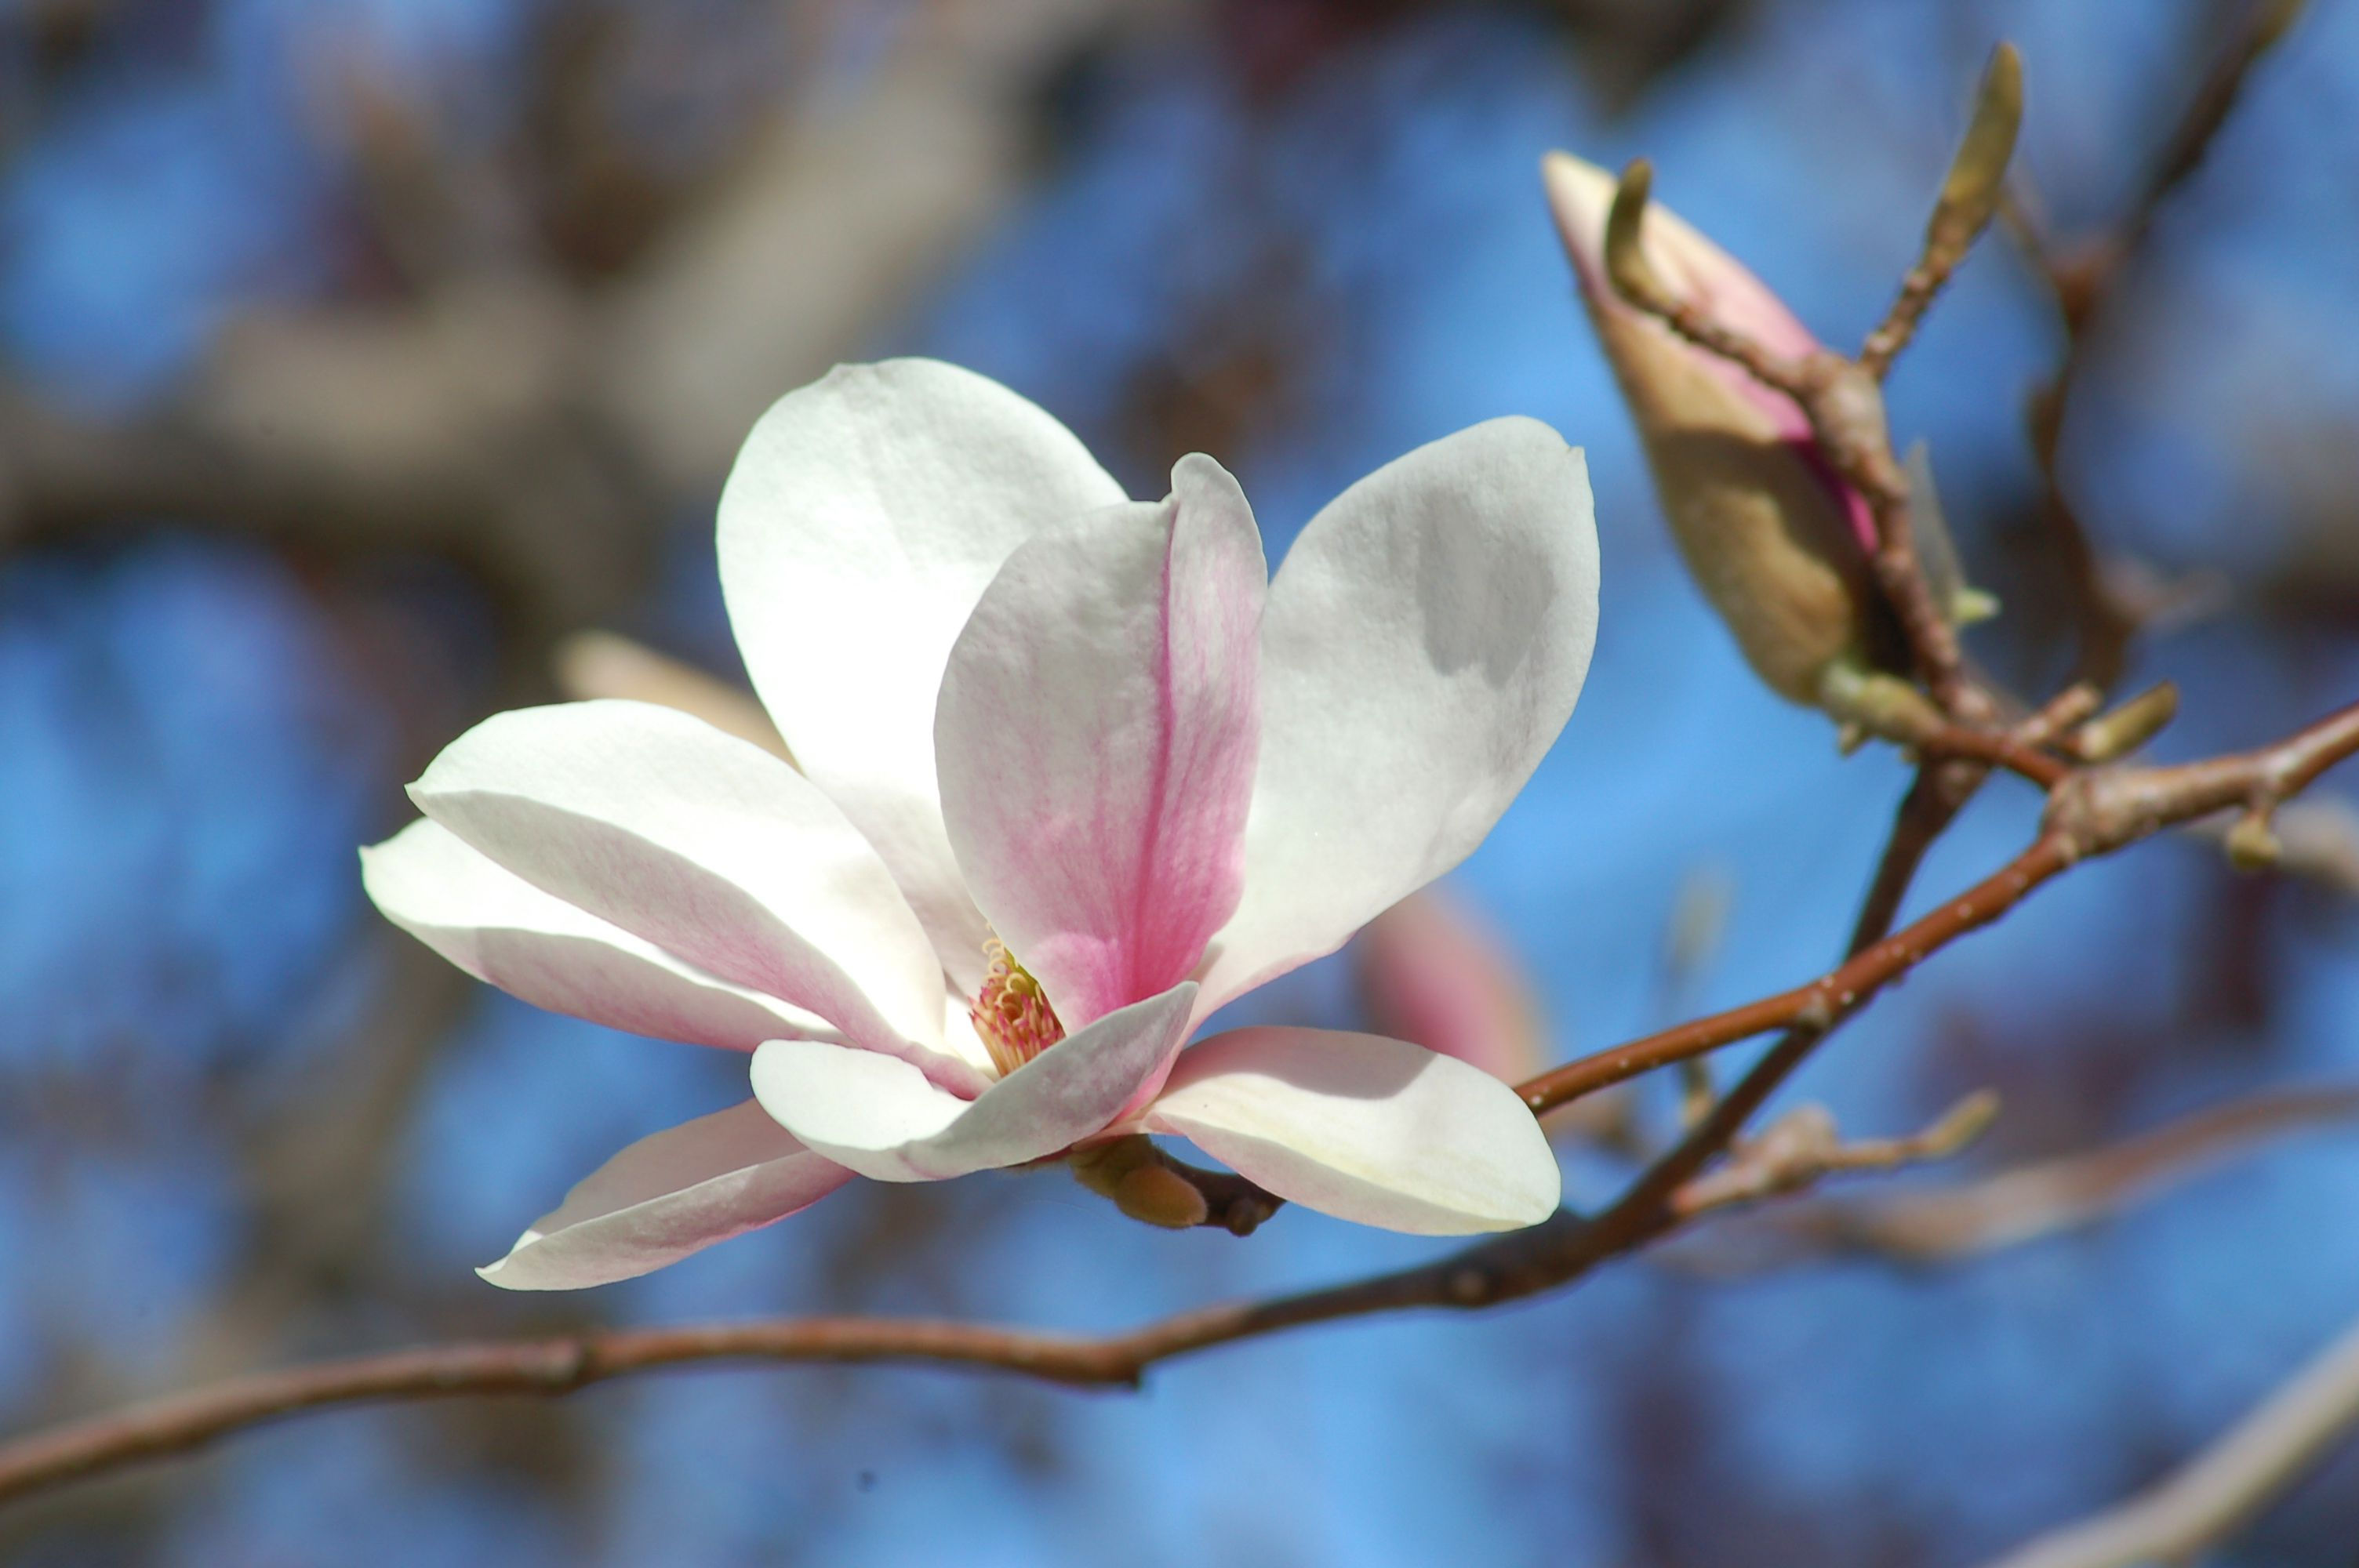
x,y
2085,279
1651,1205
2206,1500
2092,814
1821,1003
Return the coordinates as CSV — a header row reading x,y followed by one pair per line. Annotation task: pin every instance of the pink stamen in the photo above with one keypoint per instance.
x,y
1011,1013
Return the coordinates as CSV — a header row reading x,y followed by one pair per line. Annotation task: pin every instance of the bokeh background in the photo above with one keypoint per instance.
x,y
353,353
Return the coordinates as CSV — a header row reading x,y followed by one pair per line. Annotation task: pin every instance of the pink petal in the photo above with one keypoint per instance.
x,y
1363,1128
883,1120
1434,975
710,848
501,929
665,1196
865,517
1096,739
1425,640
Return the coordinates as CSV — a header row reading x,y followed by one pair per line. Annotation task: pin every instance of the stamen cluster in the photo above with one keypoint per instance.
x,y
1011,1012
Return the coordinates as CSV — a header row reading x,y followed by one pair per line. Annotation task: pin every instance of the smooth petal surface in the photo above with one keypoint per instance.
x,y
665,1196
1363,1128
1096,740
502,930
865,517
1425,640
708,847
883,1120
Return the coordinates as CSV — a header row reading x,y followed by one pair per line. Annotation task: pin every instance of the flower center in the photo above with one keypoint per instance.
x,y
1011,1012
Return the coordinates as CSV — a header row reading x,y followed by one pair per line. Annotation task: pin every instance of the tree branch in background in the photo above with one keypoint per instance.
x,y
1803,1146
2225,1486
1940,1225
2083,277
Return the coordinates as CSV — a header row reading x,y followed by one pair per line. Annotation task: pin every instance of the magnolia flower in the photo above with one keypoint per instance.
x,y
1778,542
1069,773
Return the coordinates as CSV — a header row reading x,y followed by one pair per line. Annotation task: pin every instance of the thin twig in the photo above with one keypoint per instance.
x,y
1803,1147
2209,1499
2083,278
2042,1197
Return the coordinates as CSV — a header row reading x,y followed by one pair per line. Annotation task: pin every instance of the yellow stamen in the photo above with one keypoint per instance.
x,y
1011,1012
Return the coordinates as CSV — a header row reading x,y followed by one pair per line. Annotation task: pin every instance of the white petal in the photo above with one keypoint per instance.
x,y
865,517
1096,738
882,1119
1363,1128
501,929
1424,643
708,847
665,1196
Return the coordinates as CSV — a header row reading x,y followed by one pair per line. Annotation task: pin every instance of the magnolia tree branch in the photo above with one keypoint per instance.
x,y
2092,813
2045,1196
1804,1146
2221,1490
2083,277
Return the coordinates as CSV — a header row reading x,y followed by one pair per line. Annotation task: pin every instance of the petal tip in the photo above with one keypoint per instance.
x,y
502,1271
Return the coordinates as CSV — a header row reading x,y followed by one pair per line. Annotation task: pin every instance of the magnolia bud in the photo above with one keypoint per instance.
x,y
1432,974
1776,541
600,664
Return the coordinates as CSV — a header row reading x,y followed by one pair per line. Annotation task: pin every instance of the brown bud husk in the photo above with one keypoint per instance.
x,y
1772,538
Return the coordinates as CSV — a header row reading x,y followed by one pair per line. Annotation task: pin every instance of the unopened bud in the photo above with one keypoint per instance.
x,y
1778,542
1141,1184
600,664
1977,175
1430,973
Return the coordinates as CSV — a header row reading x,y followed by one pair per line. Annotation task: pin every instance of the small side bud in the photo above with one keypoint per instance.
x,y
1978,173
1937,553
1430,973
2253,842
1875,703
590,665
2126,728
1141,1183
1778,544
1960,1125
